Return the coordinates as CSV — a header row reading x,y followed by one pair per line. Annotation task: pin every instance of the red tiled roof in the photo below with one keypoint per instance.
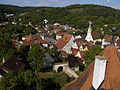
x,y
55,30
29,37
118,42
32,37
41,41
62,33
36,37
108,38
63,53
27,43
60,43
63,41
112,75
75,51
82,40
95,35
41,29
67,37
14,42
61,63
79,44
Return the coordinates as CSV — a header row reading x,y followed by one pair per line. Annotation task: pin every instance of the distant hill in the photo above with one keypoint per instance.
x,y
74,15
16,9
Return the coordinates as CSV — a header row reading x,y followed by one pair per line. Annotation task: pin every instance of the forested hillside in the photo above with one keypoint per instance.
x,y
76,16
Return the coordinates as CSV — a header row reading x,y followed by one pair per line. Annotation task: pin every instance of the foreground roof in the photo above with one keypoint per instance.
x,y
112,74
12,64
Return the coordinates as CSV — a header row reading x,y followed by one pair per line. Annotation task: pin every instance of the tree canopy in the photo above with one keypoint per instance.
x,y
36,57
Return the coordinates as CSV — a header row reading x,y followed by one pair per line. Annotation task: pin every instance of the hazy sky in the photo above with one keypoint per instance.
x,y
56,3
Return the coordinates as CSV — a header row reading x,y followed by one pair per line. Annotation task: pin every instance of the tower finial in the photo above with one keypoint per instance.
x,y
90,23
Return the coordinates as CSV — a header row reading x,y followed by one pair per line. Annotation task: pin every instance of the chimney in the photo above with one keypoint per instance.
x,y
99,71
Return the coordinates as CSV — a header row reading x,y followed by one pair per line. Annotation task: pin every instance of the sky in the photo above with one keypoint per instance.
x,y
61,3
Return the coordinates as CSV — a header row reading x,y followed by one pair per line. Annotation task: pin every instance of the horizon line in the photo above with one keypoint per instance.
x,y
57,6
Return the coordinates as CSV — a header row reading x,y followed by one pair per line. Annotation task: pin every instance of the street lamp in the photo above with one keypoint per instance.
x,y
113,30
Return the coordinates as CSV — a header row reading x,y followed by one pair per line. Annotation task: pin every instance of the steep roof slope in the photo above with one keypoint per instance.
x,y
112,75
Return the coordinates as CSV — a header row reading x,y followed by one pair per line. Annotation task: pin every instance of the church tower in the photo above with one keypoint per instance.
x,y
89,33
45,24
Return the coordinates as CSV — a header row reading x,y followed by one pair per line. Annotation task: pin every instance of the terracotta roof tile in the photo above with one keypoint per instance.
x,y
29,37
67,37
61,63
26,43
62,33
108,38
32,37
60,43
41,41
63,53
75,51
95,35
63,41
112,79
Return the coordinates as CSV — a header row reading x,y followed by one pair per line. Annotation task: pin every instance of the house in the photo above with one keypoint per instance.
x,y
51,41
22,42
60,35
40,30
12,64
78,53
118,43
31,37
63,67
26,43
65,43
96,37
73,60
63,54
81,44
108,39
60,67
78,36
77,45
42,42
92,36
102,74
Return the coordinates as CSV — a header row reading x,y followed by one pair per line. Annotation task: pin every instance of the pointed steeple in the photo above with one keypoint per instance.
x,y
89,32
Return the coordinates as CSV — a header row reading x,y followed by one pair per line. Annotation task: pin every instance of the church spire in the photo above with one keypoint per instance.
x,y
89,32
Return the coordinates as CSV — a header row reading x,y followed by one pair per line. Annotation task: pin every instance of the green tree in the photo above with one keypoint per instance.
x,y
36,57
61,79
90,55
22,80
6,48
